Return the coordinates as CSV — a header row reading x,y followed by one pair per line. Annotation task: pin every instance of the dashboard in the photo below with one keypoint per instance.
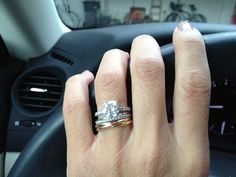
x,y
222,123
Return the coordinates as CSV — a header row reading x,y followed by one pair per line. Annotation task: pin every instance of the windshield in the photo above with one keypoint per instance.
x,y
101,13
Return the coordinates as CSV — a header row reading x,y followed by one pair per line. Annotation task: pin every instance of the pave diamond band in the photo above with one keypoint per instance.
x,y
119,117
113,114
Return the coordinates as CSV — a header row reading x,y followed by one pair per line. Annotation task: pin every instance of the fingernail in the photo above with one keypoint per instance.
x,y
88,76
184,26
143,46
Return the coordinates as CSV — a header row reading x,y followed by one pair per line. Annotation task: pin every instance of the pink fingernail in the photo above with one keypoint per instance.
x,y
184,26
88,76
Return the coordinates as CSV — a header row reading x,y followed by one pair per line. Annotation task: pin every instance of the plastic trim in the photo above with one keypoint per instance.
x,y
31,28
10,159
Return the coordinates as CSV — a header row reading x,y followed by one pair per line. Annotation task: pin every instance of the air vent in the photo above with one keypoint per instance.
x,y
40,92
62,58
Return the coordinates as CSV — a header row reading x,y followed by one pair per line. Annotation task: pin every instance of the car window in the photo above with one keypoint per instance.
x,y
94,14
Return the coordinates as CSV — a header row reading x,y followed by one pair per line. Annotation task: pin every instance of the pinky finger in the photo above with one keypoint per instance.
x,y
77,114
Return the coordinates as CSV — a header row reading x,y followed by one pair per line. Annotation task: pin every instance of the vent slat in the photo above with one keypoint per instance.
x,y
46,94
41,84
55,93
51,92
62,58
37,106
38,98
44,77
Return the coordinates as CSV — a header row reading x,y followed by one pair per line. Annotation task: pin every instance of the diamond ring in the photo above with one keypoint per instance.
x,y
112,109
112,115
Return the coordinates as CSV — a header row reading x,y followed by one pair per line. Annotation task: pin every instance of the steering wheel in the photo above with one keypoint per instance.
x,y
45,154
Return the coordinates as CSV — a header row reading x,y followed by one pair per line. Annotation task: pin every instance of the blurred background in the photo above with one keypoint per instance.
x,y
100,13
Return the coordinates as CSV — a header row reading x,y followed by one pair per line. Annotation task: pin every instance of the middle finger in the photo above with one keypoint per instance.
x,y
148,88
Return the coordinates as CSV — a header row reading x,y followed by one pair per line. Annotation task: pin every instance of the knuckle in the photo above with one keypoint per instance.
x,y
109,79
196,83
195,42
147,161
72,80
149,67
146,154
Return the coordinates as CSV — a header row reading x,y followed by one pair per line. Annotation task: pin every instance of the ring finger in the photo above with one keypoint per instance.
x,y
110,84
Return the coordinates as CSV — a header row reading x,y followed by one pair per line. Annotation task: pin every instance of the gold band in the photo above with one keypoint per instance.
x,y
119,123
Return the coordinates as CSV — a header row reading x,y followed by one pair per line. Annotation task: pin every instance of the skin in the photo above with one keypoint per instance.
x,y
150,147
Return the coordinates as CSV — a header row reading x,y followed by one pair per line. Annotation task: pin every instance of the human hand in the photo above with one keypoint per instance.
x,y
150,147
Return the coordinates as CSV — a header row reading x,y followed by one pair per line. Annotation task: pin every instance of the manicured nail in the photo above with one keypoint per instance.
x,y
184,26
88,76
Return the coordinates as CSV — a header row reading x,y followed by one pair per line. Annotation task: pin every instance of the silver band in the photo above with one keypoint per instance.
x,y
119,117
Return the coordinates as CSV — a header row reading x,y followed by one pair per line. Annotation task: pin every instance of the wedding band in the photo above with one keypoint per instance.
x,y
119,117
119,123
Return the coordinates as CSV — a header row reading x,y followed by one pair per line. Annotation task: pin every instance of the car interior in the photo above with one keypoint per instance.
x,y
41,47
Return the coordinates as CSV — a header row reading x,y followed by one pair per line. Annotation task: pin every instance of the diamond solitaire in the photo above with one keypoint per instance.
x,y
111,111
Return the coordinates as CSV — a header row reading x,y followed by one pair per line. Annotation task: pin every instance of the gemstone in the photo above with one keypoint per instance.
x,y
111,110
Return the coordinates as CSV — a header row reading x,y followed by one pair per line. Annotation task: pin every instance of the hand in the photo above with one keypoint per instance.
x,y
150,147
